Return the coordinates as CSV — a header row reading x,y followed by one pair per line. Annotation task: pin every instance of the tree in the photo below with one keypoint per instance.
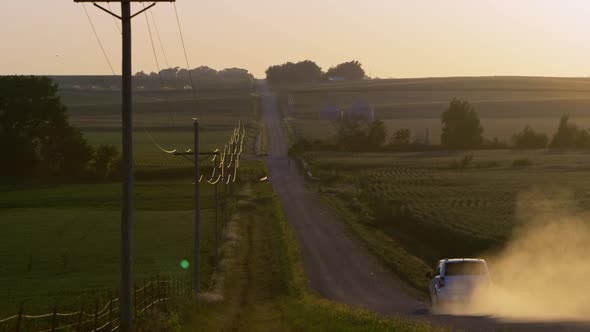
x,y
351,71
34,130
565,136
461,126
377,134
569,135
529,139
308,71
401,137
294,73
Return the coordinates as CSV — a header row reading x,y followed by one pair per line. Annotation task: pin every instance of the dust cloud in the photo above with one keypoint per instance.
x,y
543,274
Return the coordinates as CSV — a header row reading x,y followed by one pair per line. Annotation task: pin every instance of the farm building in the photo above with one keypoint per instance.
x,y
361,111
330,113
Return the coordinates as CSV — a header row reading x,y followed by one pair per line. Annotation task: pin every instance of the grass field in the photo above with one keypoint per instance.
x,y
101,110
412,209
504,104
62,240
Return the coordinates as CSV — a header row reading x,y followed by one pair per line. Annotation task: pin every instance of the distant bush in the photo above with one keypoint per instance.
x,y
529,139
357,135
462,163
401,138
520,163
377,134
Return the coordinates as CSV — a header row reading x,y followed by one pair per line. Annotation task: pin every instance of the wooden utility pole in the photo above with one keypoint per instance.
x,y
195,153
197,248
127,138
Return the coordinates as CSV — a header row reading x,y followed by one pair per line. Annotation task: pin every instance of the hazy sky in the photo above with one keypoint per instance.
x,y
392,38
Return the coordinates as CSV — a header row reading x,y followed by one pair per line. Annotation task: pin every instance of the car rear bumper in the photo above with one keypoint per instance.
x,y
453,297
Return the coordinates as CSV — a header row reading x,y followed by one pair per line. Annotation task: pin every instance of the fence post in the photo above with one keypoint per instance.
x,y
20,316
173,281
95,314
151,291
54,318
143,292
166,289
111,312
135,300
158,290
79,328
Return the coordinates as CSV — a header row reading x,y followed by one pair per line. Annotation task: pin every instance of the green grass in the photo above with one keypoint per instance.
x,y
62,242
412,209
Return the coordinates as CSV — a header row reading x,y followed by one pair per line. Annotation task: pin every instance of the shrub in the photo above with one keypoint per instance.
x,y
377,134
529,139
401,138
462,163
106,163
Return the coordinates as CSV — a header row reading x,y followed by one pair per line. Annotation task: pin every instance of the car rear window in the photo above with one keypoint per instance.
x,y
465,268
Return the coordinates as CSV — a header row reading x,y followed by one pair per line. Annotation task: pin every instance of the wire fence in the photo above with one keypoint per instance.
x,y
104,316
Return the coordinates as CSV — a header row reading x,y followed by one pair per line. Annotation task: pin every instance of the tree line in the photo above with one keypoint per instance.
x,y
179,78
37,139
309,72
461,130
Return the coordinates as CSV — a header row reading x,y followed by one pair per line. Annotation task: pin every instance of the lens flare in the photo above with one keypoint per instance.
x,y
184,264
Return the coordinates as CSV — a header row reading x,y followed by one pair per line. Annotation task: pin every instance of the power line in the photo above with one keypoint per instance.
x,y
159,38
158,145
114,19
98,39
147,21
168,108
188,67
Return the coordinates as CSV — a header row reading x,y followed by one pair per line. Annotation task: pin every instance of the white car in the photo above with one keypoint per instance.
x,y
456,279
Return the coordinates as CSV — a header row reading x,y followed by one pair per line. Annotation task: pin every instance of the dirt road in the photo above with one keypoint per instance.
x,y
337,266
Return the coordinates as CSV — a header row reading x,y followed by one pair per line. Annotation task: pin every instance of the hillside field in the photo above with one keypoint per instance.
x,y
505,104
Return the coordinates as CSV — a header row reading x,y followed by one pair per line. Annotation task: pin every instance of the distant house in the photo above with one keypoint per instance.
x,y
330,113
361,112
336,78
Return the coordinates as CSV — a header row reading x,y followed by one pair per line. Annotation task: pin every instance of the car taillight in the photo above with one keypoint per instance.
x,y
441,282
